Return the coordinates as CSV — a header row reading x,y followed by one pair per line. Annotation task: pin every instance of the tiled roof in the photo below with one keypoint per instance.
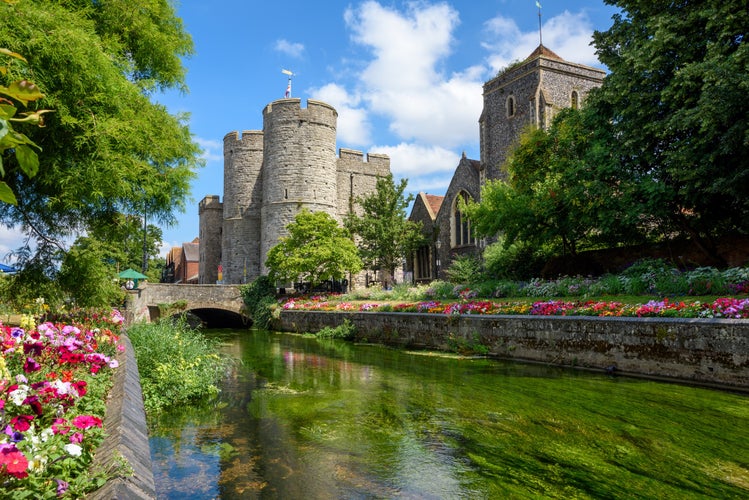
x,y
434,201
543,51
192,251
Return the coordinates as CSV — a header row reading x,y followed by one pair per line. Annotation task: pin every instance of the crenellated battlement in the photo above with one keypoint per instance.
x,y
249,138
208,202
316,111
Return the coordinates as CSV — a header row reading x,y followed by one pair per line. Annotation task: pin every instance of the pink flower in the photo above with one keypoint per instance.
x,y
86,421
60,427
76,438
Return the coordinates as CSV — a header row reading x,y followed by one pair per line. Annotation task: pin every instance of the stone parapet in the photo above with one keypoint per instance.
x,y
700,351
126,434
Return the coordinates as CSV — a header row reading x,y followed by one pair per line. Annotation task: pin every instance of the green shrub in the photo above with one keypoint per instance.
x,y
177,365
344,331
259,297
706,281
519,261
464,269
440,290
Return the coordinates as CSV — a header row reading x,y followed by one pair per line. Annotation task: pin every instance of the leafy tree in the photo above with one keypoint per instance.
x,y
124,239
553,192
316,250
87,277
675,110
107,149
384,231
12,141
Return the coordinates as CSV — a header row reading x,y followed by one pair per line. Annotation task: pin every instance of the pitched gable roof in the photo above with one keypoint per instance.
x,y
542,51
434,202
191,251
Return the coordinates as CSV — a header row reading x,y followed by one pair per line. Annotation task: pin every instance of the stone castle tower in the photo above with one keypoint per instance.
x,y
269,177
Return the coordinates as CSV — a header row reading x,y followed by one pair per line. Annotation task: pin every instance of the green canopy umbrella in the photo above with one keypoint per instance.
x,y
132,274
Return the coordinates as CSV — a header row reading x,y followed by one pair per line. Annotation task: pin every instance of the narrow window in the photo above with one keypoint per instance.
x,y
510,106
285,194
461,226
575,102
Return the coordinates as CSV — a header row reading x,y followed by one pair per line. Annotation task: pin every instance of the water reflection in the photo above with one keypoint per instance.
x,y
302,418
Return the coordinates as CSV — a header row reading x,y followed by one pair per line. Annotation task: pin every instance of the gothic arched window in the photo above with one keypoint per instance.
x,y
510,106
575,100
461,226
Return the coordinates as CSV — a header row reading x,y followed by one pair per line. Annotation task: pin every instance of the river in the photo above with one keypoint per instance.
x,y
302,418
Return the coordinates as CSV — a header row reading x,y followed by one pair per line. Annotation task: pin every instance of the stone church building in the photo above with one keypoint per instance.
x,y
526,93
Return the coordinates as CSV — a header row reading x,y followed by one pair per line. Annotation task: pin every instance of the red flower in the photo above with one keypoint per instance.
x,y
31,366
80,387
14,462
21,423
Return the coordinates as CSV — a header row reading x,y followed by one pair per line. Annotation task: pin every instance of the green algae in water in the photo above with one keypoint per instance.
x,y
304,418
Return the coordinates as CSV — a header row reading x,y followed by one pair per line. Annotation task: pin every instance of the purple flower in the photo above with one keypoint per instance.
x,y
31,365
62,487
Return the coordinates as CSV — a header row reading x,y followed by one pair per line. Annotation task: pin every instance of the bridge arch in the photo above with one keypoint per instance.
x,y
215,305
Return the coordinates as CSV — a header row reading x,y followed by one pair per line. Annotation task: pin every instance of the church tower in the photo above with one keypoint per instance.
x,y
528,93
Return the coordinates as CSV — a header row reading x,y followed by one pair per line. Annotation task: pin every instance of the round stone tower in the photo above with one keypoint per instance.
x,y
300,166
240,242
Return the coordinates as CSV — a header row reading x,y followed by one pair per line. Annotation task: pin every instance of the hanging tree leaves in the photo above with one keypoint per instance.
x,y
107,148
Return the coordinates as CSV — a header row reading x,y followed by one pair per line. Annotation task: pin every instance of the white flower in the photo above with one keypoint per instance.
x,y
46,434
73,450
19,395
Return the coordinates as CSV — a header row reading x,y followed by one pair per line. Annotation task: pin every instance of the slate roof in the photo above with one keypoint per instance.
x,y
191,251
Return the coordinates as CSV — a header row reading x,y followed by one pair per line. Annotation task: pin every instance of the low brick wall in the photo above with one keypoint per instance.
x,y
127,434
704,351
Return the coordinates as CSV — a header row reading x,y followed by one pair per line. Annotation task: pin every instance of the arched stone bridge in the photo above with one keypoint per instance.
x,y
215,305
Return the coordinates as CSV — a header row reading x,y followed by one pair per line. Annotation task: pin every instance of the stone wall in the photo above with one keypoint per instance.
x,y
126,434
703,351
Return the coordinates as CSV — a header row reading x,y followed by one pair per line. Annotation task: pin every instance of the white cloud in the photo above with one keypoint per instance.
x,y
416,161
353,127
10,239
404,82
568,34
212,150
292,49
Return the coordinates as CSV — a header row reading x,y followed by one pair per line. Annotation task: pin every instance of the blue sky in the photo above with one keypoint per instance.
x,y
405,77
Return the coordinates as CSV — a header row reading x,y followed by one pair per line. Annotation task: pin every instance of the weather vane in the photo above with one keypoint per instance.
x,y
288,86
540,39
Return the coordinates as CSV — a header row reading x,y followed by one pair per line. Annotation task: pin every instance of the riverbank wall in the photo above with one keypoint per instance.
x,y
713,352
126,435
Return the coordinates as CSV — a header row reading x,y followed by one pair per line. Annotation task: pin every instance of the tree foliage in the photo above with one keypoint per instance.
x,y
86,276
555,192
384,231
107,149
316,250
676,111
660,150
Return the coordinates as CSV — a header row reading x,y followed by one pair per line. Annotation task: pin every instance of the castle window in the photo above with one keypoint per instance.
x,y
285,194
461,226
575,100
510,106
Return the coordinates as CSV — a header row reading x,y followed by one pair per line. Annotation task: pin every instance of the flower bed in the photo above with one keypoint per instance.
x,y
54,378
721,308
